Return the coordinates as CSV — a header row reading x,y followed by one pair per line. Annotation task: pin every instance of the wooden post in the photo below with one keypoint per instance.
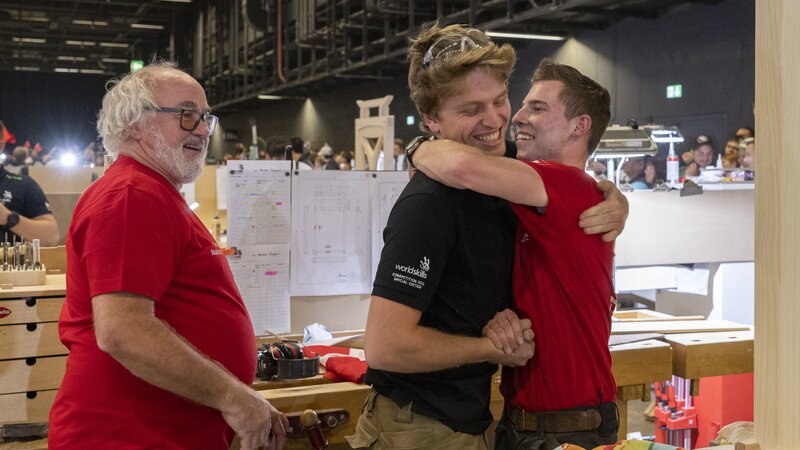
x,y
777,239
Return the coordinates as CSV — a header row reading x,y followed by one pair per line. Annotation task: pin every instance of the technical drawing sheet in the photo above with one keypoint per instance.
x,y
386,187
259,207
331,249
261,273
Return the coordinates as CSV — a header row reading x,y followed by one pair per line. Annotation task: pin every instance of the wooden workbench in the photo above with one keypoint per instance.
x,y
32,358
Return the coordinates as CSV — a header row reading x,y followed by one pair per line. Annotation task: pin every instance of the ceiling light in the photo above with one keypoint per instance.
x,y
147,26
71,58
27,68
279,97
65,70
97,23
35,19
114,44
29,40
98,71
541,37
82,43
177,1
116,60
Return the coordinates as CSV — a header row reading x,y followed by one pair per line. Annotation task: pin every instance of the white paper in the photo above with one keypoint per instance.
x,y
331,249
261,273
259,207
222,187
385,187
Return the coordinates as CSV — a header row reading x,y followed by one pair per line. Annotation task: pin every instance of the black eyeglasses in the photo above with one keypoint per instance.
x,y
190,118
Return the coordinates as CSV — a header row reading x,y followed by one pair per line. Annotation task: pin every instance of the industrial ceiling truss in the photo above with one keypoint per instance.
x,y
241,49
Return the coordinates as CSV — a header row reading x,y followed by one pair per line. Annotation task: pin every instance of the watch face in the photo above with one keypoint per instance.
x,y
12,221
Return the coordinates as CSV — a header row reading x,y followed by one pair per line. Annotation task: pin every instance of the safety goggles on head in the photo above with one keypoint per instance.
x,y
447,46
190,118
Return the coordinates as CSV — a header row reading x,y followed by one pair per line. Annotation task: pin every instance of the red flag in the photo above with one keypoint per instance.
x,y
8,137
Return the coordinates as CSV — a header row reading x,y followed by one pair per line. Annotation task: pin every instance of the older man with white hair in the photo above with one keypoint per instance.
x,y
162,350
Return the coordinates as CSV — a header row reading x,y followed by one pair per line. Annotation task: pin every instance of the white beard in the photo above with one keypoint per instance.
x,y
182,165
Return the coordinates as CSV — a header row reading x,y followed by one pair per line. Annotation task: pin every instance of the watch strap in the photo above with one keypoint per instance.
x,y
413,146
12,220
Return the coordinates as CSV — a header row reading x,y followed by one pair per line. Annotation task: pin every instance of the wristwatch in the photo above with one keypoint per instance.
x,y
414,145
12,220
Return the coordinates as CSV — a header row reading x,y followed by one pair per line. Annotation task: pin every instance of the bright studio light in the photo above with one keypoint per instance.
x,y
67,159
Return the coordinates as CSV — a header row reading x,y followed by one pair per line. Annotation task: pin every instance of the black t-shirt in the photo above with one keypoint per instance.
x,y
449,254
21,194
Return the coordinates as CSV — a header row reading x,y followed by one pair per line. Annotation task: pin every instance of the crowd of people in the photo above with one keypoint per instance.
x,y
17,159
306,154
737,161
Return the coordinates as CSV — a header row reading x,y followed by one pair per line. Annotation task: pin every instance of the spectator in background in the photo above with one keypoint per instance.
x,y
16,163
343,160
277,149
701,154
326,154
399,152
704,155
744,133
650,171
240,152
730,160
732,146
749,157
634,171
599,168
298,154
24,210
691,170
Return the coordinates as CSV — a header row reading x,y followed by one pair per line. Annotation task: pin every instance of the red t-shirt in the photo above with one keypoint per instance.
x,y
132,231
563,283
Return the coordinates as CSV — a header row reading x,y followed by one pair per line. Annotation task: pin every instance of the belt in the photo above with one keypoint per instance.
x,y
565,421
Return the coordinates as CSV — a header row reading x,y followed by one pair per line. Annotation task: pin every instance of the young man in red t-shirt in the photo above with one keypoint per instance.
x,y
562,276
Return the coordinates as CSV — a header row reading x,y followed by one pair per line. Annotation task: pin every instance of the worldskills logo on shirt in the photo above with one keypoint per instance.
x,y
422,272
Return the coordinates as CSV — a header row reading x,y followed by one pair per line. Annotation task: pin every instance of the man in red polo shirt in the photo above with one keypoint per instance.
x,y
162,350
562,276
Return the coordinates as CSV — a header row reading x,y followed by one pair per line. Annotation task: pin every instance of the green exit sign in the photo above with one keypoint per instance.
x,y
675,91
136,64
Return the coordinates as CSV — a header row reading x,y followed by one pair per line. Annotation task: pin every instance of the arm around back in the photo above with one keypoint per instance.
x,y
465,167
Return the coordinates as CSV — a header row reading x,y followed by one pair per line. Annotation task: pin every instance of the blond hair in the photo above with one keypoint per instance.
x,y
434,76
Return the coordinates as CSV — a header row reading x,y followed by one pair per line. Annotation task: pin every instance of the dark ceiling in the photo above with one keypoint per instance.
x,y
85,36
234,45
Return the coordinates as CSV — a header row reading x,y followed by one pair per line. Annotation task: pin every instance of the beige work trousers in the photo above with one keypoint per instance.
x,y
384,425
